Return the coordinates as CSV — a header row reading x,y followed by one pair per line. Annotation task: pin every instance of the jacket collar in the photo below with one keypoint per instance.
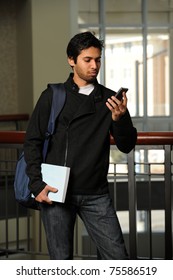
x,y
88,106
96,93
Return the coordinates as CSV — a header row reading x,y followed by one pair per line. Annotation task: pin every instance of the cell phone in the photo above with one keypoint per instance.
x,y
119,94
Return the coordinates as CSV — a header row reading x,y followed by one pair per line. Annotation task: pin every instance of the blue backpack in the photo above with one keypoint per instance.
x,y
22,193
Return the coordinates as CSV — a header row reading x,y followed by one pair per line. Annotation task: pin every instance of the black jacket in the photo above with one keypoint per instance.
x,y
83,131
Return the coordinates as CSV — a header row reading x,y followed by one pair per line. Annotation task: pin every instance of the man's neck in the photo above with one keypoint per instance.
x,y
80,82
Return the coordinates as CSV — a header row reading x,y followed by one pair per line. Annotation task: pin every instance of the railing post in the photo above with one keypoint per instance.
x,y
168,203
132,206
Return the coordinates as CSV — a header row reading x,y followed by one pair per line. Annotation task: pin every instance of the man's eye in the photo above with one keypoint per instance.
x,y
89,60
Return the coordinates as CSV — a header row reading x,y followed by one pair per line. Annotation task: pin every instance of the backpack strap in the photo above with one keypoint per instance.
x,y
58,101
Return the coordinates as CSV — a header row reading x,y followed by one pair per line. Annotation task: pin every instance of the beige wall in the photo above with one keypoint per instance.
x,y
24,57
50,35
8,63
33,40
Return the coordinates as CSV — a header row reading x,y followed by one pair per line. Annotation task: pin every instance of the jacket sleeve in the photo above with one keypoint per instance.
x,y
33,145
124,133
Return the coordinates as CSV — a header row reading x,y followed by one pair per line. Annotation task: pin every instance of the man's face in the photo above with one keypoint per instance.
x,y
87,66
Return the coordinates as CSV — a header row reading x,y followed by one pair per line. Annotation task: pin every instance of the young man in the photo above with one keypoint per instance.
x,y
82,139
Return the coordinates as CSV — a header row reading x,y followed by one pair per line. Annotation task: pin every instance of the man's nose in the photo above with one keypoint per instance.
x,y
94,64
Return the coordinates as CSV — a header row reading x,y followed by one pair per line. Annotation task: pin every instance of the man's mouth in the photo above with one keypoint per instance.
x,y
94,73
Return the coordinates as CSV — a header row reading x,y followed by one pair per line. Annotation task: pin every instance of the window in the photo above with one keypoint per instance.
x,y
137,54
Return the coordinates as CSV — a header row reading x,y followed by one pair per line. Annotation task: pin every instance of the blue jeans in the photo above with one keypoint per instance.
x,y
100,220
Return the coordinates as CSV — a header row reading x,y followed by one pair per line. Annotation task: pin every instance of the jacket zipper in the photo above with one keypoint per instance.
x,y
66,148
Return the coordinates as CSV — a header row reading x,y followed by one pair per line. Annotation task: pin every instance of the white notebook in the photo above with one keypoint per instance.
x,y
56,176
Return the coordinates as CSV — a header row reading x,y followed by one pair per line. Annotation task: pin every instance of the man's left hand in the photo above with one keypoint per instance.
x,y
117,107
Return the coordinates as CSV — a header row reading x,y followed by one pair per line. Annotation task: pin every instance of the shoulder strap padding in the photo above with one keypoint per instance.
x,y
58,101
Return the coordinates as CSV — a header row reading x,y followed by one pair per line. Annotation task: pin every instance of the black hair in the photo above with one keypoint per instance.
x,y
81,42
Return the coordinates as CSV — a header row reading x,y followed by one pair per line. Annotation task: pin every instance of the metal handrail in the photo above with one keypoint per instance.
x,y
12,137
14,117
144,138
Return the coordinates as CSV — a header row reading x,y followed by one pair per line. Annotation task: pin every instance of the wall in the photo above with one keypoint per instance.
x,y
50,35
8,63
33,40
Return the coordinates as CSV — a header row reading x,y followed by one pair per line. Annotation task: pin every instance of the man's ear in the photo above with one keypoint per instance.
x,y
71,61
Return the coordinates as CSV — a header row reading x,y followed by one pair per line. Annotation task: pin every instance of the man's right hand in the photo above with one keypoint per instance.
x,y
43,195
